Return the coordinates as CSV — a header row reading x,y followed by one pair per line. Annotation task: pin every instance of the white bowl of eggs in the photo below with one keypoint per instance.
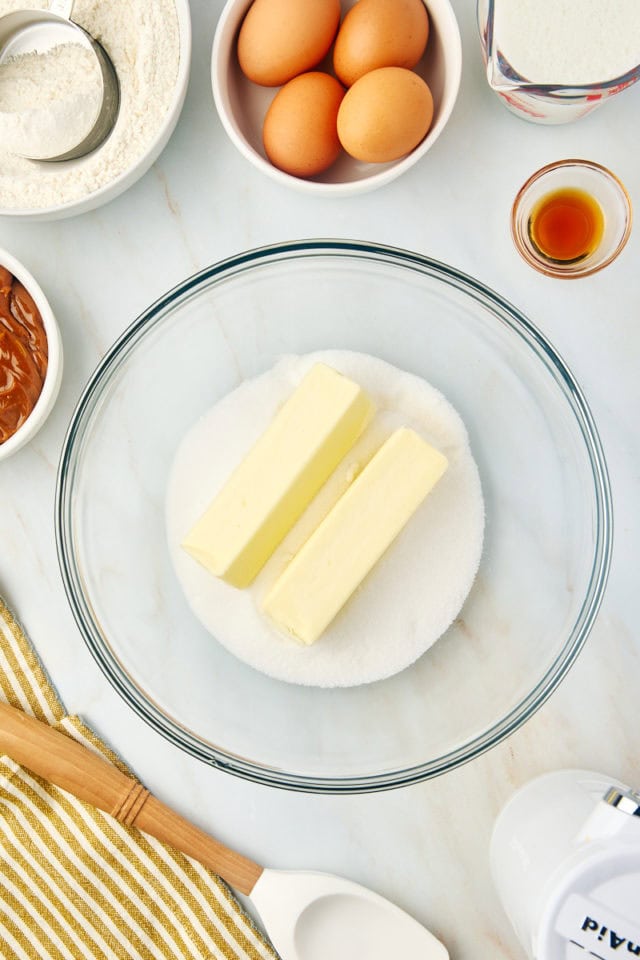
x,y
344,98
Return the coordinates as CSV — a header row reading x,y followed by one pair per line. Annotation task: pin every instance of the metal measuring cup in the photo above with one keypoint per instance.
x,y
37,31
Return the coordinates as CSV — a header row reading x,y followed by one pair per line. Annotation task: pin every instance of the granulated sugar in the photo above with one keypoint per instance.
x,y
414,592
49,102
142,39
569,41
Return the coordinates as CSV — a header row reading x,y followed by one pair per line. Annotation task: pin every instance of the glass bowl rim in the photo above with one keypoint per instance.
x,y
254,771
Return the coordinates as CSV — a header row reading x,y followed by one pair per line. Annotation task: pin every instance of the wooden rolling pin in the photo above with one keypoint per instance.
x,y
82,773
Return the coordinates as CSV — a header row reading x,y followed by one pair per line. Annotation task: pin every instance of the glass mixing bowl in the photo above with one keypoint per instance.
x,y
547,540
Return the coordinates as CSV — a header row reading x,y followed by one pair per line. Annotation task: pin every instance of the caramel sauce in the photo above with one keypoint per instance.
x,y
566,225
23,354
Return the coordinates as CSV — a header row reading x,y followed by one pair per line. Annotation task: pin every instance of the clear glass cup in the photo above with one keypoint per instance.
x,y
526,96
600,184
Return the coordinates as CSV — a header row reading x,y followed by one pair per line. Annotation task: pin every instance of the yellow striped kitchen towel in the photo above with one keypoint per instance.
x,y
76,884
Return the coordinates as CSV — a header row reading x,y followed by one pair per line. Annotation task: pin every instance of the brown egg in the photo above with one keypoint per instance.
x,y
385,114
279,39
300,128
380,33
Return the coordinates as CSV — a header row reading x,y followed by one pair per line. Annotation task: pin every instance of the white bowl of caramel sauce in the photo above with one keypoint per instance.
x,y
30,356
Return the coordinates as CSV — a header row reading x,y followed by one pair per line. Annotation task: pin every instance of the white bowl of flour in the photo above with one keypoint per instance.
x,y
150,47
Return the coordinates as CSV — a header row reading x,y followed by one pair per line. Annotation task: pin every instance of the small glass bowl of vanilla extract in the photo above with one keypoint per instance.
x,y
571,218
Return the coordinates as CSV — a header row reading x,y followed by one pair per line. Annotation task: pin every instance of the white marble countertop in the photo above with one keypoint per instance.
x,y
426,846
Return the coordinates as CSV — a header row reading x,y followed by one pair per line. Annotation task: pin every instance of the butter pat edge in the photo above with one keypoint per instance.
x,y
271,487
353,537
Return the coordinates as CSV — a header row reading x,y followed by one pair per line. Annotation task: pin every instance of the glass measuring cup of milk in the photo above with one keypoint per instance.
x,y
552,61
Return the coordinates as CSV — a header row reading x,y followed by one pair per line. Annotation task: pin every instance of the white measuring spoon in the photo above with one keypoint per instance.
x,y
308,916
38,31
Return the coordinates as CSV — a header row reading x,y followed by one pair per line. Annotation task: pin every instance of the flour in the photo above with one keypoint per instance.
x,y
49,102
569,41
142,39
410,597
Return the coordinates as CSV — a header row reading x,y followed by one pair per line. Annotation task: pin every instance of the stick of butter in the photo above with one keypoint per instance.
x,y
354,535
270,489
